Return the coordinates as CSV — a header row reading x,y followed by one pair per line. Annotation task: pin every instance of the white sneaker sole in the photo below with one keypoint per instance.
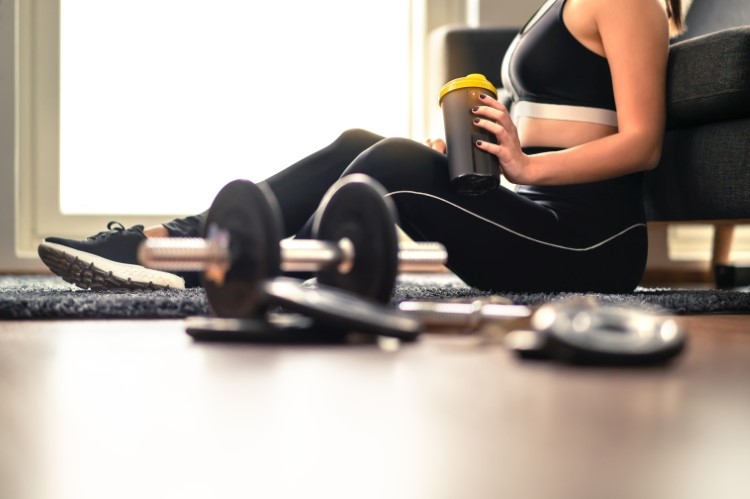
x,y
89,271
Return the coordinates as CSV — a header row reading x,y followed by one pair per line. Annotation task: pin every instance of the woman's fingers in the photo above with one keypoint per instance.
x,y
498,114
494,118
491,148
494,128
504,149
438,144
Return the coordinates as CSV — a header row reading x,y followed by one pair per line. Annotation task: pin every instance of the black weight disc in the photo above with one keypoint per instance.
x,y
582,333
341,309
251,217
356,208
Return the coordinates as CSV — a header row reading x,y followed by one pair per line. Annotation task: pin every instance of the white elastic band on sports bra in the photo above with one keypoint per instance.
x,y
563,112
524,236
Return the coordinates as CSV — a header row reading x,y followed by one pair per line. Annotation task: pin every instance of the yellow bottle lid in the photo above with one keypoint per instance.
x,y
475,80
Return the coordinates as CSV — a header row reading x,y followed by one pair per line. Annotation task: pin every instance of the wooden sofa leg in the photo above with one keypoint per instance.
x,y
724,274
722,245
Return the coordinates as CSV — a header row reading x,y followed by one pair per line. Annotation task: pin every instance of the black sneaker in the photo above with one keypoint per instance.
x,y
107,260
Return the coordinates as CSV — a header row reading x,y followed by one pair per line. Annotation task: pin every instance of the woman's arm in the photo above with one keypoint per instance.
x,y
635,37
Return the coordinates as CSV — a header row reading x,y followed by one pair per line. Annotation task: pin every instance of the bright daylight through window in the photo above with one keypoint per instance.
x,y
164,101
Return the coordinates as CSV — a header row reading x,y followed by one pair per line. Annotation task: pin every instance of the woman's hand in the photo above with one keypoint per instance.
x,y
437,144
495,119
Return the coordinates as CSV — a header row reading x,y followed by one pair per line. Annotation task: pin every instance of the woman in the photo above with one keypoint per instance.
x,y
587,79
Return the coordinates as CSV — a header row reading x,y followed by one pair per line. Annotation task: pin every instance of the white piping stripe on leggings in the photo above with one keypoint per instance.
x,y
601,243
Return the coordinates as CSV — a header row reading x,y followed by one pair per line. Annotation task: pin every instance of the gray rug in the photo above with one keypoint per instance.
x,y
48,297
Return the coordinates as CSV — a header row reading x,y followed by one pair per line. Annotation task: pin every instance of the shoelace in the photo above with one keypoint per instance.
x,y
113,226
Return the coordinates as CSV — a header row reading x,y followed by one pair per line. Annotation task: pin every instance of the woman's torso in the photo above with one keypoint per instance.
x,y
558,66
562,46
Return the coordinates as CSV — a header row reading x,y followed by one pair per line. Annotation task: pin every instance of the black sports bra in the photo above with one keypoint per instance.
x,y
550,74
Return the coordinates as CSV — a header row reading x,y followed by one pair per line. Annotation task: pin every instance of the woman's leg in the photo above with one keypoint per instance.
x,y
501,240
298,188
109,259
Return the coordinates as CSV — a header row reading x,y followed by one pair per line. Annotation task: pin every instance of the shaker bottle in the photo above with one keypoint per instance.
x,y
472,171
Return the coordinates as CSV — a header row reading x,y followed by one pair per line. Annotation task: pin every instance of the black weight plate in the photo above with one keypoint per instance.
x,y
571,353
252,218
608,330
581,333
276,328
356,208
341,309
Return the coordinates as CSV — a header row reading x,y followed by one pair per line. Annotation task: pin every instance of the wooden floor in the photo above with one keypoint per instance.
x,y
724,324
135,408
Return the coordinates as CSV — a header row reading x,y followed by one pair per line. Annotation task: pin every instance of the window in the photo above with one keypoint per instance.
x,y
167,100
150,107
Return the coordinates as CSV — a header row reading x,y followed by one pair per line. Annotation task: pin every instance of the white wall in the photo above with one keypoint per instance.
x,y
506,12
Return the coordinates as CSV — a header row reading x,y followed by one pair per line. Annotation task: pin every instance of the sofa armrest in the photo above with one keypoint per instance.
x,y
708,78
472,50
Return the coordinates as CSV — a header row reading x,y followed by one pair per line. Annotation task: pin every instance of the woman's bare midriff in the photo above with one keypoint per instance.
x,y
536,132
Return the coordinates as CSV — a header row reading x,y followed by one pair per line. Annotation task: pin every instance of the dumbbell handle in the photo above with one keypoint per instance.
x,y
469,316
309,255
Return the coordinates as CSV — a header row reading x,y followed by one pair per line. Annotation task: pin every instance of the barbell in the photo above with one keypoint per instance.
x,y
355,245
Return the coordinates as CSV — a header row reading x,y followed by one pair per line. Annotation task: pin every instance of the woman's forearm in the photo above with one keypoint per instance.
x,y
601,159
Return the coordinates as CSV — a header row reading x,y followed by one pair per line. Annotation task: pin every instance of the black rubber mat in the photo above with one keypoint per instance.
x,y
49,297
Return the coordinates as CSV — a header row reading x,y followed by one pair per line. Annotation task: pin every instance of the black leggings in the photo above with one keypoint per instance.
x,y
587,237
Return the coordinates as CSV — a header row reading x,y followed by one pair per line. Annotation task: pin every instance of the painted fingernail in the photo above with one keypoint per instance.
x,y
475,109
475,120
479,142
482,96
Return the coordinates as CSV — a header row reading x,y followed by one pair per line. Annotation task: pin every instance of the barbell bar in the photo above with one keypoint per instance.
x,y
196,254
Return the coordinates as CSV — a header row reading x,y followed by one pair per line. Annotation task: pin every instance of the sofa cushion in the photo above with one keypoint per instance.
x,y
708,78
704,174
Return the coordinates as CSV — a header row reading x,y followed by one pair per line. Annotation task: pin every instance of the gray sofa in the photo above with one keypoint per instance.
x,y
704,173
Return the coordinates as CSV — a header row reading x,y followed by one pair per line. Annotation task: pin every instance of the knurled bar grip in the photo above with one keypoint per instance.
x,y
196,254
468,316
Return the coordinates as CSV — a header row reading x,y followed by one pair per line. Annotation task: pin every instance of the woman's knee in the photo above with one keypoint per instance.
x,y
357,138
395,149
397,158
